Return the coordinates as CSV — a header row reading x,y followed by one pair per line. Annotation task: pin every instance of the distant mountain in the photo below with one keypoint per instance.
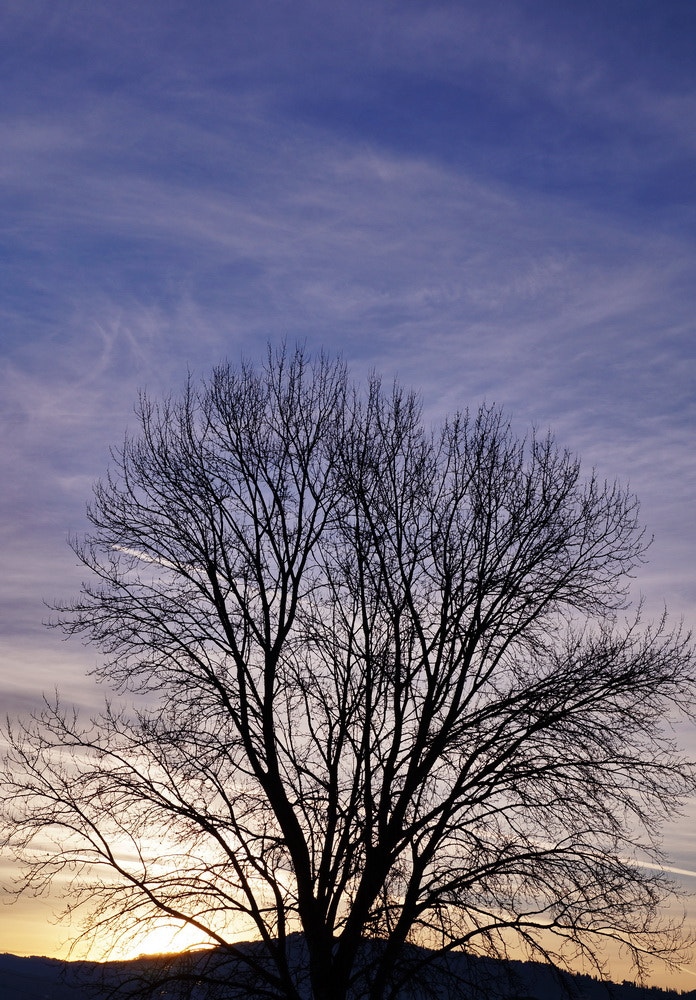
x,y
36,979
481,979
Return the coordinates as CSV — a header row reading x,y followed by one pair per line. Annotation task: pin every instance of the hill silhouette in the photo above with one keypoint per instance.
x,y
206,975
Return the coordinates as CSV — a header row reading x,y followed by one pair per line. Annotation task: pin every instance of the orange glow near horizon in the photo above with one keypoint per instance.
x,y
164,937
28,927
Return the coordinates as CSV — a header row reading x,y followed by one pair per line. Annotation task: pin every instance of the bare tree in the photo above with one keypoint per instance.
x,y
386,695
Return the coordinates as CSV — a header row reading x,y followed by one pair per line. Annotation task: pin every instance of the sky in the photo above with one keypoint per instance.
x,y
488,201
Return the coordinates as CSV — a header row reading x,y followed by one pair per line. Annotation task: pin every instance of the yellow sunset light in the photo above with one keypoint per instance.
x,y
164,937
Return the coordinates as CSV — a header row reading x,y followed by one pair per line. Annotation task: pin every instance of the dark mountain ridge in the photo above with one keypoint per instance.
x,y
202,976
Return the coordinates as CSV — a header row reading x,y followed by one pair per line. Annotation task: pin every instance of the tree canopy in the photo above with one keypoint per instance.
x,y
374,682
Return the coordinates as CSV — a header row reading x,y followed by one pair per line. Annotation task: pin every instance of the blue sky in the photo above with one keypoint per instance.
x,y
490,201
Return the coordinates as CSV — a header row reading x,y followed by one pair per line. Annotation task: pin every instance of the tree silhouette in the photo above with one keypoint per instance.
x,y
384,693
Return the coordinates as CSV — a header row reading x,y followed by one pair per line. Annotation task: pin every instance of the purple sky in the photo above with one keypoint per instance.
x,y
490,201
